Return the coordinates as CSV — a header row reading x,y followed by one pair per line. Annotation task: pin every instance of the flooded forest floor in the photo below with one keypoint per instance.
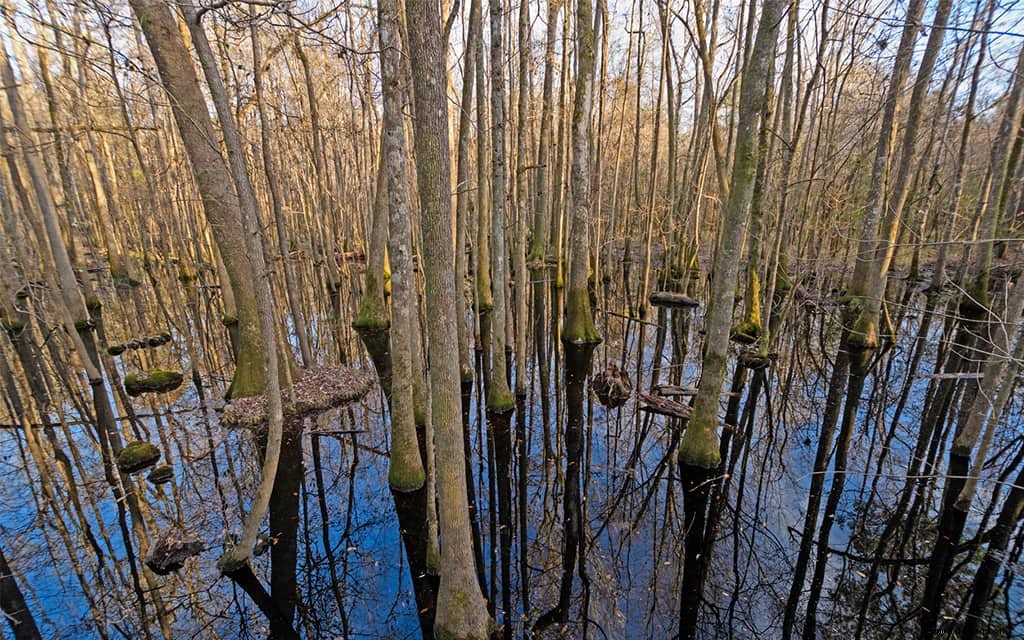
x,y
334,540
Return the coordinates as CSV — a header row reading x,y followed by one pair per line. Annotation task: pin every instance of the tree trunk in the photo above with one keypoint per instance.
x,y
406,469
699,447
223,211
13,605
499,397
461,610
578,327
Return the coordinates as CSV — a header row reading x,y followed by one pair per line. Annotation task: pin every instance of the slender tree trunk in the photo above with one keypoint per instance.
x,y
542,202
958,493
699,454
978,295
290,284
499,397
464,195
578,327
862,286
882,253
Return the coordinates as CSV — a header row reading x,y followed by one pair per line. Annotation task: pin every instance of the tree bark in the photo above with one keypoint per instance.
x,y
461,610
578,327
214,183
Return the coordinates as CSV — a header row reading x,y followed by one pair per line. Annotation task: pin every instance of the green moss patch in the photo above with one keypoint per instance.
x,y
136,456
745,333
161,474
154,381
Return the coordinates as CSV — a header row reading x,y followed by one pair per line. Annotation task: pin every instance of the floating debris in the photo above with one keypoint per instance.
x,y
155,381
664,406
612,387
170,552
136,456
313,390
116,349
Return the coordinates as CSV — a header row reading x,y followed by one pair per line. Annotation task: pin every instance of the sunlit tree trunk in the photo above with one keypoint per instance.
x,y
291,286
499,396
980,270
213,181
405,470
867,324
372,314
464,195
862,285
699,448
578,327
461,610
542,201
238,228
522,214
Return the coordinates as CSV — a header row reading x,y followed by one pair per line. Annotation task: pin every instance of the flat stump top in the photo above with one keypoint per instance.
x,y
672,300
313,390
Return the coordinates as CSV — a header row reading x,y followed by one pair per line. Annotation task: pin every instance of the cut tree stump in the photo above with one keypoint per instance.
x,y
672,300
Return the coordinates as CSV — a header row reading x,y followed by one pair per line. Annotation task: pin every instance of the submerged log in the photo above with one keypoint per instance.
x,y
672,300
755,361
170,552
670,390
314,390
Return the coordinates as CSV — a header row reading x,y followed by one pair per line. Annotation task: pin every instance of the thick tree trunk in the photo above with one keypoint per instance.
x,y
406,469
461,610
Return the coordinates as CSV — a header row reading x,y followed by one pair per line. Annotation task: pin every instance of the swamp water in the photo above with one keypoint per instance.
x,y
334,552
